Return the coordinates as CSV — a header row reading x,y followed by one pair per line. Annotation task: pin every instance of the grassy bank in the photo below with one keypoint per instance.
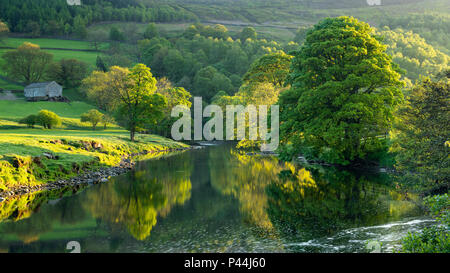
x,y
22,159
12,111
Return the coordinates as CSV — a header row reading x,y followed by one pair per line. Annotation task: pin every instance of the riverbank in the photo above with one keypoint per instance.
x,y
32,160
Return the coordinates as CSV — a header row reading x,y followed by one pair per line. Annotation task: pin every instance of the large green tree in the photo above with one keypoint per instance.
x,y
139,105
174,96
28,63
208,81
68,72
344,91
422,143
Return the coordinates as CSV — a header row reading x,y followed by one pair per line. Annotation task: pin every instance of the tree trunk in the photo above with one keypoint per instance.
x,y
132,135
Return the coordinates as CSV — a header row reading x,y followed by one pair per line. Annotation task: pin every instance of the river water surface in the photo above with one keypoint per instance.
x,y
216,200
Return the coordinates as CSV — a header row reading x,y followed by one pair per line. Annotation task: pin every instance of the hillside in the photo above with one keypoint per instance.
x,y
12,111
61,49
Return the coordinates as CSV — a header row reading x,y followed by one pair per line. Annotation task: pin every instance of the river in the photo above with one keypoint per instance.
x,y
216,200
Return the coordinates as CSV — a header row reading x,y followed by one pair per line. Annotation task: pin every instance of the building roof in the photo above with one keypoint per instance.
x,y
39,84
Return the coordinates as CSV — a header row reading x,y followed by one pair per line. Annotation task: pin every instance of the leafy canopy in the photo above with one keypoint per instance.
x,y
423,133
93,116
27,63
139,105
48,119
344,91
272,68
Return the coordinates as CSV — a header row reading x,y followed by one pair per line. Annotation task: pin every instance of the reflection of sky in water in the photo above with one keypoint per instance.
x,y
214,200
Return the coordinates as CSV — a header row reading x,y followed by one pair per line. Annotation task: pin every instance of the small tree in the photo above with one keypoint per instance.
x,y
151,31
93,116
107,119
48,119
248,33
116,35
101,66
30,120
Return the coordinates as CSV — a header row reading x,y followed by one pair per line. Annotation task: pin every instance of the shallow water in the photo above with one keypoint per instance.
x,y
215,200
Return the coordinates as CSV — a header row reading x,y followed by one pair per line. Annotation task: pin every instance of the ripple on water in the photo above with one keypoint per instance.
x,y
355,239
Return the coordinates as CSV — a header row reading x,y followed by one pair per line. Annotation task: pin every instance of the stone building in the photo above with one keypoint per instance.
x,y
43,91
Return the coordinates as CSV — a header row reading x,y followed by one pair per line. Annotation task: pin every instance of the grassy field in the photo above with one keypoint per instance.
x,y
134,31
12,111
20,146
69,50
9,86
85,56
50,43
75,150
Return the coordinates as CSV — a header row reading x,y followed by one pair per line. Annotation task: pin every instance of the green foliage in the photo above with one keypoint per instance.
x,y
93,116
4,31
48,119
430,240
423,128
248,33
103,88
344,90
30,120
204,60
435,239
272,68
116,35
413,54
300,36
58,18
439,206
20,148
100,64
151,31
432,26
107,119
139,106
28,63
174,96
208,81
67,72
79,27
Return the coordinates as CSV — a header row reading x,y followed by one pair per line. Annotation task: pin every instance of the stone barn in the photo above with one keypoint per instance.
x,y
43,91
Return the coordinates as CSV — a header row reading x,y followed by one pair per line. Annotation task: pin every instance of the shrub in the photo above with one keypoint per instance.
x,y
30,120
48,119
434,239
93,116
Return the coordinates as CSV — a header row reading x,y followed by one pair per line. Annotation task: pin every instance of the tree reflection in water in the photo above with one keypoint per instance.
x,y
309,202
135,202
239,203
324,200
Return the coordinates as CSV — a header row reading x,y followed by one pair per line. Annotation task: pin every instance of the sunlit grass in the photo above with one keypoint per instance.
x,y
19,147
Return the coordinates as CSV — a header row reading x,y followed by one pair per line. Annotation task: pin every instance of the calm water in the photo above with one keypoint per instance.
x,y
215,200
